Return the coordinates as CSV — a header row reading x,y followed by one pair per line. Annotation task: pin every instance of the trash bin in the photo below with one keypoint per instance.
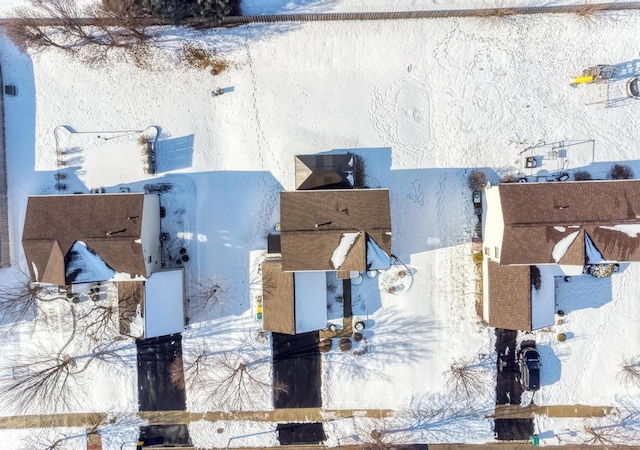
x,y
535,440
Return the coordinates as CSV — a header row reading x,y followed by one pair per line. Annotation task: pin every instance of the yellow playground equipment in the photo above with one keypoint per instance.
x,y
595,74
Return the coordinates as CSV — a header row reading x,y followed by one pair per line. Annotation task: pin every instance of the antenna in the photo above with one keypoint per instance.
x,y
111,233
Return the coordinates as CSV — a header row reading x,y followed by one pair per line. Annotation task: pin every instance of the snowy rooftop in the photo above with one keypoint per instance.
x,y
422,102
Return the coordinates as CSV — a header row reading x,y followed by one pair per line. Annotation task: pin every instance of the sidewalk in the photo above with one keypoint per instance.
x,y
286,415
183,417
518,412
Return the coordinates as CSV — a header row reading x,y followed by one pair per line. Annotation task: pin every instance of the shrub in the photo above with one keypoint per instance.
x,y
325,345
478,257
620,172
200,58
582,175
561,337
345,344
509,179
179,10
477,180
357,336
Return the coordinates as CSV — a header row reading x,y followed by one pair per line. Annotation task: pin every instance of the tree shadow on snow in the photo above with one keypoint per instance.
x,y
393,338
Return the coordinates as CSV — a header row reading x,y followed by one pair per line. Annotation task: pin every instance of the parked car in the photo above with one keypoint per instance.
x,y
530,369
634,87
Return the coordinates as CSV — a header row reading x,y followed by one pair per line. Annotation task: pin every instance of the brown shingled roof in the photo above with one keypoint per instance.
x,y
509,297
108,224
312,224
538,215
278,305
130,296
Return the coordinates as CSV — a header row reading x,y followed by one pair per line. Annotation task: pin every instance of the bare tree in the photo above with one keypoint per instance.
x,y
477,180
630,372
56,24
233,380
195,371
99,322
50,380
601,435
21,299
208,294
176,373
237,382
468,378
42,440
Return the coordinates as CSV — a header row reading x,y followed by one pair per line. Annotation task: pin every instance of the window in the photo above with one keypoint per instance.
x,y
496,252
486,251
149,259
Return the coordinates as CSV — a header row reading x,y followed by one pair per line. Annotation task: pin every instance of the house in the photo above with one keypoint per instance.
x,y
534,232
91,237
326,171
72,240
347,231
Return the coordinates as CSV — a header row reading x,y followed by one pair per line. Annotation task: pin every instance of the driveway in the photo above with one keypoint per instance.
x,y
157,359
508,388
296,364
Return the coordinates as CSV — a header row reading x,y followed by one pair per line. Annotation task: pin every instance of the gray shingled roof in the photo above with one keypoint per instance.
x,y
312,224
538,215
109,224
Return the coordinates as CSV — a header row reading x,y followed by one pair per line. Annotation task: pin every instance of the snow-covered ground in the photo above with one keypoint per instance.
x,y
422,102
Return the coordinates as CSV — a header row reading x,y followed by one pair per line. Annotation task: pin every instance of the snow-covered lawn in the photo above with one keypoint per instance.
x,y
422,102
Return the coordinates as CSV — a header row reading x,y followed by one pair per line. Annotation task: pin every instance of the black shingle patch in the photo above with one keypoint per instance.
x,y
300,433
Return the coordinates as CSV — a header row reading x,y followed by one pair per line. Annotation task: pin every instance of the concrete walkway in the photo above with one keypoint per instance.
x,y
518,412
183,417
285,415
